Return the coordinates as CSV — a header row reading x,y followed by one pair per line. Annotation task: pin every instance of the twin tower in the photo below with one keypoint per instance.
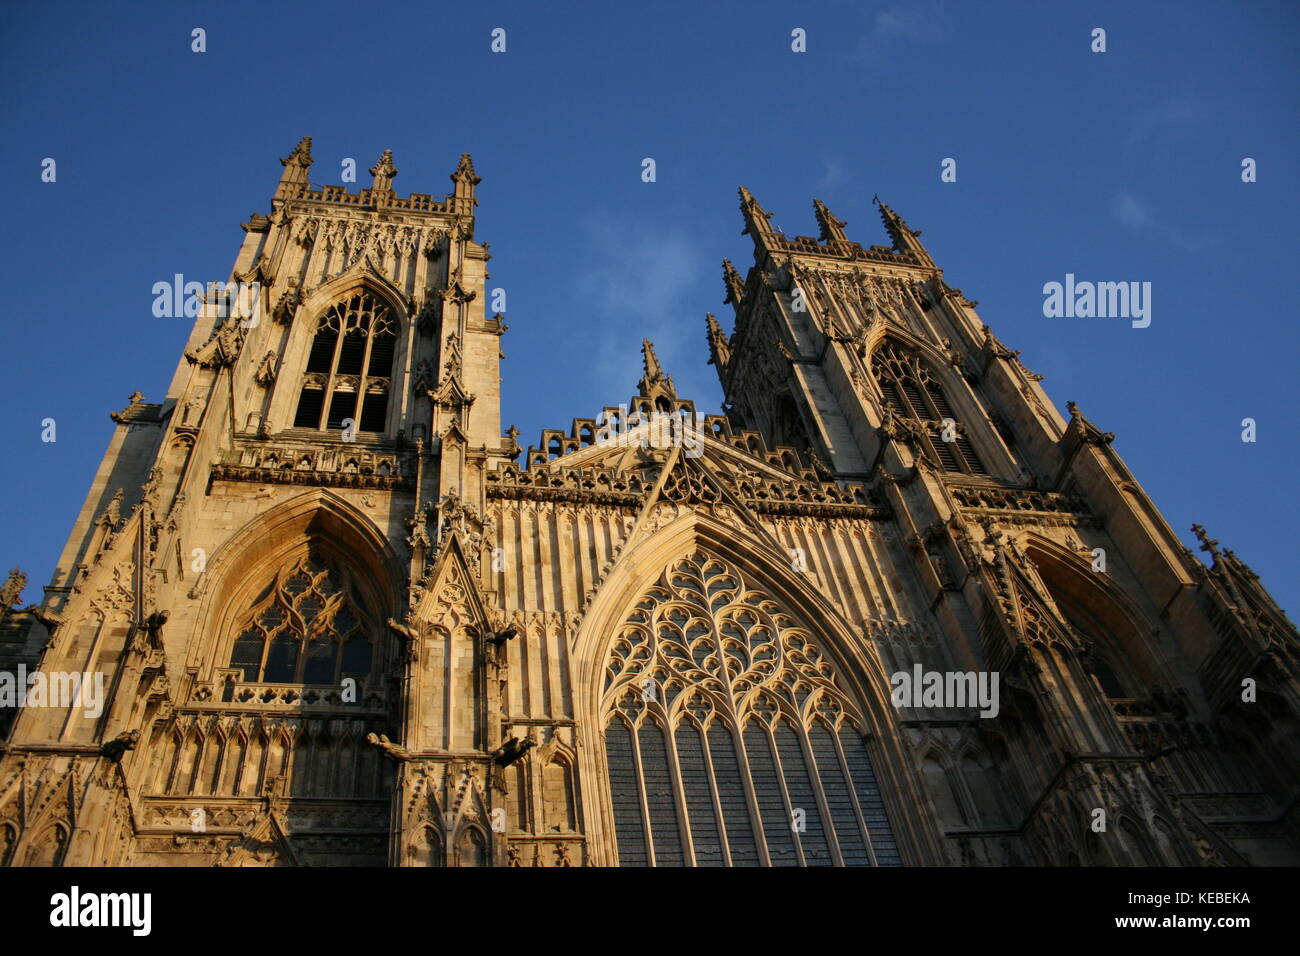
x,y
339,617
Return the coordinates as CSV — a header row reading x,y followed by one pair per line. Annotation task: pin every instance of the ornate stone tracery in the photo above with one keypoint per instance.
x,y
309,628
717,699
350,365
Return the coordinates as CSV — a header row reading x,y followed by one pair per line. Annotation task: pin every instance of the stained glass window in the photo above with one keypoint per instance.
x,y
728,738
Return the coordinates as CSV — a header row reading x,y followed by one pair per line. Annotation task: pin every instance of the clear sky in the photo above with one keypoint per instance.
x,y
1115,166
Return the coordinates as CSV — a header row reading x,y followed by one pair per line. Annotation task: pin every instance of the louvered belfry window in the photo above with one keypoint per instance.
x,y
350,367
912,392
307,627
728,738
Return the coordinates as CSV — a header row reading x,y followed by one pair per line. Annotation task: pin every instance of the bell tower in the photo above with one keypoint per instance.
x,y
1036,554
275,570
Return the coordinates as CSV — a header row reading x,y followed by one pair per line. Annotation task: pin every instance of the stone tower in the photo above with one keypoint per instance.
x,y
321,610
1020,543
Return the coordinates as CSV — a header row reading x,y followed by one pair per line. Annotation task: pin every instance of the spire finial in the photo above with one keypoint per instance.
x,y
464,179
832,229
384,171
654,383
1207,543
756,217
465,171
905,238
11,590
719,345
735,284
293,181
301,155
893,221
650,361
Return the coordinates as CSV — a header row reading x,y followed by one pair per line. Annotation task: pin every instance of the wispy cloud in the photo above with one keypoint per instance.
x,y
893,27
834,173
1139,215
1132,211
635,285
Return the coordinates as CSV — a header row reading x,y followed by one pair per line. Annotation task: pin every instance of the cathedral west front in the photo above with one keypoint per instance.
x,y
887,607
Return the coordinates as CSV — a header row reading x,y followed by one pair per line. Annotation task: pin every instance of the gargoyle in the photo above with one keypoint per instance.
x,y
119,745
499,638
512,750
154,622
391,750
47,616
409,634
495,642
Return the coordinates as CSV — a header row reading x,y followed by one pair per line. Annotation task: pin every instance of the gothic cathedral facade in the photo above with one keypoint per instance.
x,y
341,618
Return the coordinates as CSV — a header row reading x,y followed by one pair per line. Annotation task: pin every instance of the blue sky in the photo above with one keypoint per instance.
x,y
1123,165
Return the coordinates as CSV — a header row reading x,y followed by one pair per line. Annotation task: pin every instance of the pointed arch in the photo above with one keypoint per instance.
x,y
937,767
348,376
472,848
865,747
348,356
428,847
49,846
1095,605
362,275
559,804
241,572
916,381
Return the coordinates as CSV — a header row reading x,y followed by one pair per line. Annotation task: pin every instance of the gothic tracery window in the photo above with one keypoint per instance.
x,y
728,738
350,366
307,627
912,392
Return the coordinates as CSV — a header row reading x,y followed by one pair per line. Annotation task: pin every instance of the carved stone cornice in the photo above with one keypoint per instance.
x,y
312,478
1023,506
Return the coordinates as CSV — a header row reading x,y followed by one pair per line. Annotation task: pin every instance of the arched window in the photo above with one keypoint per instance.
x,y
1103,632
350,367
787,426
912,392
728,738
308,627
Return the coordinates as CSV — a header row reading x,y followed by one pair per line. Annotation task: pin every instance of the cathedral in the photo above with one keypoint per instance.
x,y
887,607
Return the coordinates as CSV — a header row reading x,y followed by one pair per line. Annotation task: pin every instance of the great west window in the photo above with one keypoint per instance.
x,y
728,739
